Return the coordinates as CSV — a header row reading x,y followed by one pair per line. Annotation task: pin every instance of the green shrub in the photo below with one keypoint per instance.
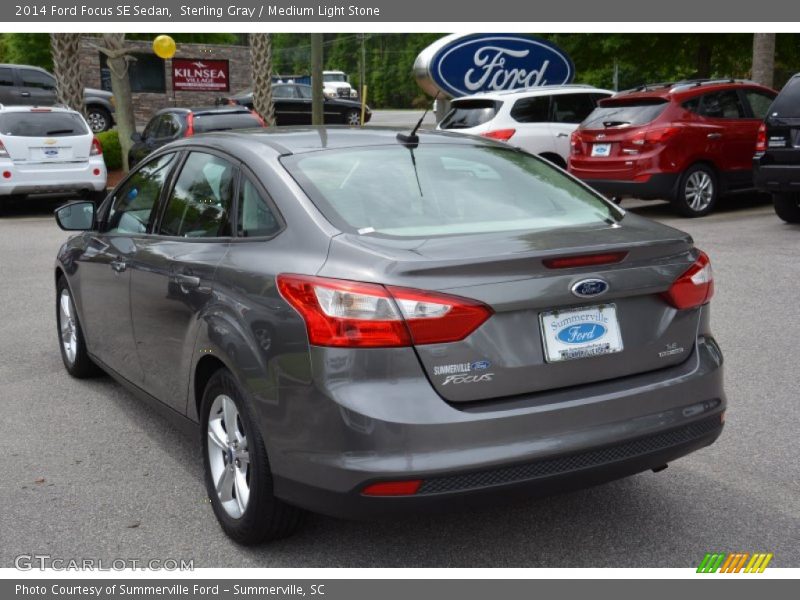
x,y
112,153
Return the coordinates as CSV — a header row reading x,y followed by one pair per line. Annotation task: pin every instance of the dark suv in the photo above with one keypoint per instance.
x,y
776,165
687,142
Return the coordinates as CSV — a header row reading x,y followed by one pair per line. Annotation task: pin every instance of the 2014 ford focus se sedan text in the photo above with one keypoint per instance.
x,y
364,323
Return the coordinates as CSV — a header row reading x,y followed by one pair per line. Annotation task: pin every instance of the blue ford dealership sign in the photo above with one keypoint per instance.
x,y
459,65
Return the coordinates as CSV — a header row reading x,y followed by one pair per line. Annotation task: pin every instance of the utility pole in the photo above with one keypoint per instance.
x,y
362,77
317,99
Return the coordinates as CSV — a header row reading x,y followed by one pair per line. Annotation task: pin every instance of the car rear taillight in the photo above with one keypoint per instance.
x,y
189,125
657,135
761,139
695,287
97,148
393,488
575,143
352,314
499,134
3,152
584,260
258,118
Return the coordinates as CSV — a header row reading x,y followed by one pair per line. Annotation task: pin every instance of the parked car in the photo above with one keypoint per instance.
x,y
28,85
337,85
458,321
539,120
688,142
777,159
170,124
49,150
292,103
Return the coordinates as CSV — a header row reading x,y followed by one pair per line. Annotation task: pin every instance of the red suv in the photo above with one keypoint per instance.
x,y
687,142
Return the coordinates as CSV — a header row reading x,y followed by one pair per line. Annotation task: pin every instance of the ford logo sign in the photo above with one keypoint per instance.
x,y
586,288
582,333
460,65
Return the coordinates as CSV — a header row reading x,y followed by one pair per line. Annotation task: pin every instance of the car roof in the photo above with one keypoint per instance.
x,y
34,67
37,109
204,110
543,90
685,89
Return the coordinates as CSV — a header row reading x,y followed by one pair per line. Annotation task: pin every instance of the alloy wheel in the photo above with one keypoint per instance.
x,y
67,326
699,191
97,122
228,456
353,118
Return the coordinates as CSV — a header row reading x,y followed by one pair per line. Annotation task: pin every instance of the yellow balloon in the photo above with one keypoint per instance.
x,y
164,46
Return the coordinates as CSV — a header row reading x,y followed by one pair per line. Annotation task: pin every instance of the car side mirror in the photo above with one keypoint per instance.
x,y
136,136
76,216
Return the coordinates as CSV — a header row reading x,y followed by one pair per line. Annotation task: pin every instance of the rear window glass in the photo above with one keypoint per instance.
x,y
222,122
42,124
470,113
617,114
787,104
442,189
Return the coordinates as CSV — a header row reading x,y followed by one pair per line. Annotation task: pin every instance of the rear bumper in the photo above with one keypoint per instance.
x,y
659,186
776,178
52,178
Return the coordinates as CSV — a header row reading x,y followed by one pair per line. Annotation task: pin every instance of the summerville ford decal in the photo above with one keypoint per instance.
x,y
460,65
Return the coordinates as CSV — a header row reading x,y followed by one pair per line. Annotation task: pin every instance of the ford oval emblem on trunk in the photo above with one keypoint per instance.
x,y
586,288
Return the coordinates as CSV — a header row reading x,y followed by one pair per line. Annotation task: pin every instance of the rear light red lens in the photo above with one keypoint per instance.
x,y
258,118
393,488
96,172
585,260
499,134
761,139
352,314
97,148
189,125
657,135
695,287
6,174
575,143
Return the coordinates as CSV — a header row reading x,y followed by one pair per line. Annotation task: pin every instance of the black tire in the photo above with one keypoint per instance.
x,y
704,199
352,118
787,206
80,366
99,118
265,517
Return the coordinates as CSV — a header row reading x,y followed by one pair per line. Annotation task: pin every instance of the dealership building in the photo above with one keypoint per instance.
x,y
196,76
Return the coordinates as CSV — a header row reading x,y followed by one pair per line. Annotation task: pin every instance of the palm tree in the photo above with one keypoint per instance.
x,y
118,61
763,58
65,48
261,65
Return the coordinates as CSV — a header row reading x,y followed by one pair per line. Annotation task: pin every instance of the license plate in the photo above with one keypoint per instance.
x,y
601,150
580,332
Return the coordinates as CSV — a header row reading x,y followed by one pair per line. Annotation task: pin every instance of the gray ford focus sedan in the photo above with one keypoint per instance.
x,y
363,323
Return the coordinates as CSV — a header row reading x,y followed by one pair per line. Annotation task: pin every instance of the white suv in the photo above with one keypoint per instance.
x,y
539,120
46,150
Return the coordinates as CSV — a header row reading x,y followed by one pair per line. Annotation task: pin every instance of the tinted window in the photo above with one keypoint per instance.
x,y
441,189
531,110
222,122
166,127
133,203
42,124
283,91
255,216
151,127
615,114
470,113
304,91
759,102
200,202
572,108
722,105
6,76
37,79
787,104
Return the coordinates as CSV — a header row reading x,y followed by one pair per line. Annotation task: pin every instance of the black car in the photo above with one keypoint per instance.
x,y
170,124
26,84
776,165
293,106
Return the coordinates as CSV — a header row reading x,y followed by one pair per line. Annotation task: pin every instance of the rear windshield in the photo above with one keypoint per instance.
x,y
470,113
222,122
617,114
787,104
42,124
442,189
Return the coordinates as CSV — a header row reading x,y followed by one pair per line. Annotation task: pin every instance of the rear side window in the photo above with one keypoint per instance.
x,y
722,105
37,79
256,219
42,124
618,114
759,102
787,104
168,127
200,202
6,77
572,108
470,113
531,110
223,122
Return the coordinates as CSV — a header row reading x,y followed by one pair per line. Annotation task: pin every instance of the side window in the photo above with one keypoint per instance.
x,y
151,127
168,127
283,91
133,203
722,105
6,77
304,91
693,105
256,219
572,108
37,79
199,205
759,103
531,110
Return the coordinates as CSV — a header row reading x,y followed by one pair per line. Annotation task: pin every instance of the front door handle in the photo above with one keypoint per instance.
x,y
186,281
714,136
119,265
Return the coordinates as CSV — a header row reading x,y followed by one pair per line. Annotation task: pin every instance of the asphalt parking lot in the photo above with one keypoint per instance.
x,y
90,472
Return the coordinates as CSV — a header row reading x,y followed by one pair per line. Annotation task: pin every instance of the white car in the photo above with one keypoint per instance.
x,y
47,150
539,120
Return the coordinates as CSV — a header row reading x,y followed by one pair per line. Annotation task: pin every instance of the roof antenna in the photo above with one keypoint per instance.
x,y
412,139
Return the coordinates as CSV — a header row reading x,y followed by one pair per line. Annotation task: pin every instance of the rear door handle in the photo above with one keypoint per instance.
x,y
714,136
562,135
25,94
119,265
187,281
